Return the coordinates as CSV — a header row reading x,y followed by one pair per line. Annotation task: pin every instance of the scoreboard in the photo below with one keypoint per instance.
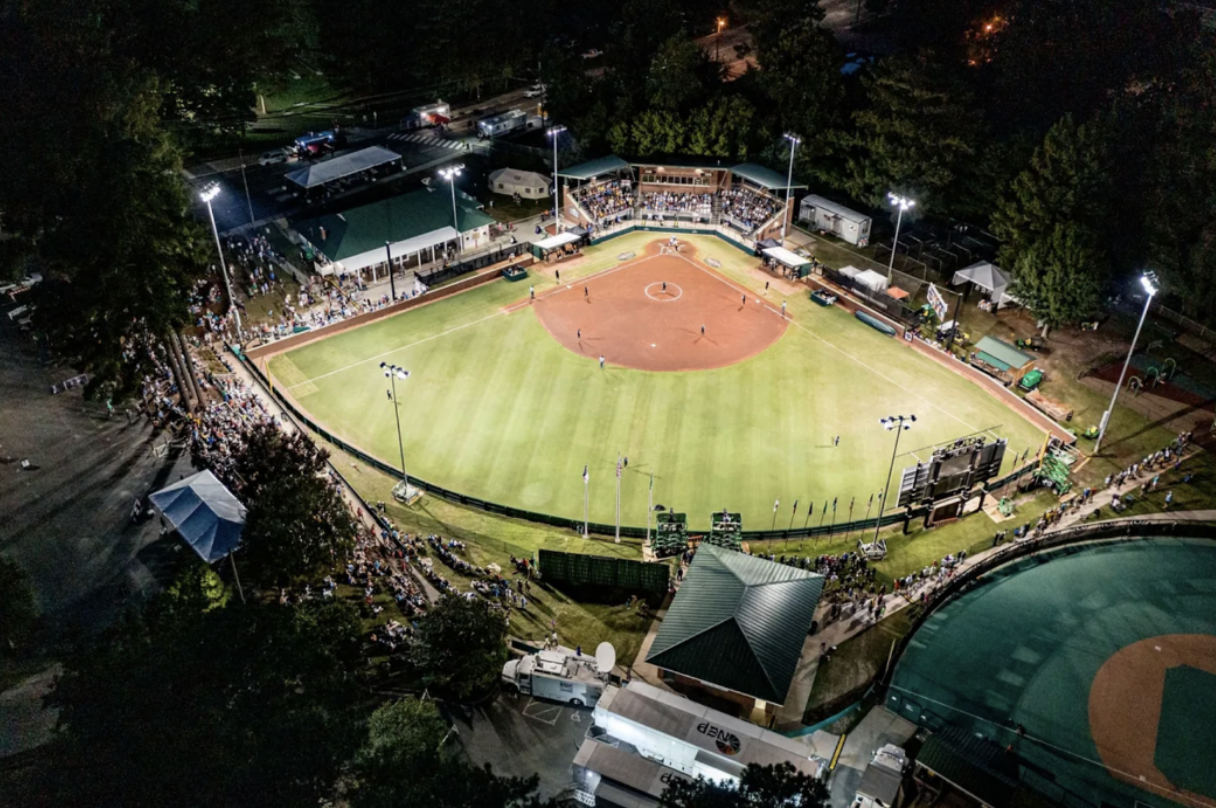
x,y
725,529
952,470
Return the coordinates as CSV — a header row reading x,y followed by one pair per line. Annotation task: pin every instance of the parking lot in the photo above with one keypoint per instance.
x,y
521,735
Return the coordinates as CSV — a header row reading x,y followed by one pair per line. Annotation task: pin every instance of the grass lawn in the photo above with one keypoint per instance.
x,y
498,409
505,209
855,662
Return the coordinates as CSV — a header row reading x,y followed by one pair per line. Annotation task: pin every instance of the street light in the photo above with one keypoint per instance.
x,y
209,192
718,44
899,423
555,132
789,184
1149,281
903,203
450,174
393,373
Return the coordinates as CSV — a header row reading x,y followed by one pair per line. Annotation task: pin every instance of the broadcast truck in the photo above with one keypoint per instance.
x,y
561,675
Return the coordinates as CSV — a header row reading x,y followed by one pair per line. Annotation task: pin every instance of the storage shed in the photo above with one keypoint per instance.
x,y
835,219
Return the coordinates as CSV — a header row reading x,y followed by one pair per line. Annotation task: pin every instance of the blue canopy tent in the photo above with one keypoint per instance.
x,y
205,514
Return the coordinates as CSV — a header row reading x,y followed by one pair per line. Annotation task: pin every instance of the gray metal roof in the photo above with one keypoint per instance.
x,y
594,168
764,177
835,208
738,622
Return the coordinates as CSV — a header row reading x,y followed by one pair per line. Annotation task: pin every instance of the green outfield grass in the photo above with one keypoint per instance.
x,y
497,409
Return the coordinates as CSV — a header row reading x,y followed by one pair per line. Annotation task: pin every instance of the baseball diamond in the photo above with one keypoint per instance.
x,y
1096,663
507,403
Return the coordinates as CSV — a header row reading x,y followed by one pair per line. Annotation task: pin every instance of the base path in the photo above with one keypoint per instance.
x,y
628,317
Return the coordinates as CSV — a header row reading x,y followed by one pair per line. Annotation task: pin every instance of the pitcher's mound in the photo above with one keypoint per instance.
x,y
648,315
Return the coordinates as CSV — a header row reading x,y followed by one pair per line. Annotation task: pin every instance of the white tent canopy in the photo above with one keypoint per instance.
x,y
321,173
553,242
205,513
874,281
784,256
985,275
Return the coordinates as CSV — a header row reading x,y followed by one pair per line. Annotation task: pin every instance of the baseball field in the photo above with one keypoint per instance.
x,y
1093,667
725,393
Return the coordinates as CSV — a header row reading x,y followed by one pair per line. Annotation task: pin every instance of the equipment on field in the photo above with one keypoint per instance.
x,y
874,551
1031,380
671,534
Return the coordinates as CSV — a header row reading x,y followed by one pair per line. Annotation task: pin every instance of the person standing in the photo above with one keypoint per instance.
x,y
664,286
586,292
702,330
745,300
557,274
1169,499
783,308
601,361
532,293
580,335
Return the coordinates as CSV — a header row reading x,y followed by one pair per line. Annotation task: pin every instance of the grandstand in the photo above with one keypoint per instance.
x,y
744,200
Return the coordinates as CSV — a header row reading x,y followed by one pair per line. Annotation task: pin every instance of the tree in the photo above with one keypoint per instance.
x,y
18,609
460,646
1067,181
915,135
1060,276
237,705
1181,213
296,524
681,75
759,787
407,760
801,76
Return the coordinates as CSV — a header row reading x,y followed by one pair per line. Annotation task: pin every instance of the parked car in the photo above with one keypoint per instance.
x,y
594,53
275,157
534,91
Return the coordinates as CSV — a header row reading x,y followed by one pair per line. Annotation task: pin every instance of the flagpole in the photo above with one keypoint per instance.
x,y
586,500
849,532
649,507
822,515
832,527
810,511
793,513
618,499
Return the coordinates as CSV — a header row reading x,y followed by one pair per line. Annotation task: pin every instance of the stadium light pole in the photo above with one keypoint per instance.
x,y
211,191
555,132
718,42
899,423
393,373
903,203
789,184
1149,281
450,174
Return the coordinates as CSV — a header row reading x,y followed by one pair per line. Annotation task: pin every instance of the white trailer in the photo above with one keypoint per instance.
x,y
435,114
497,125
829,217
560,675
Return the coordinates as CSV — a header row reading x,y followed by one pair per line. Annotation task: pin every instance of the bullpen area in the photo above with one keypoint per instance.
x,y
507,400
1092,667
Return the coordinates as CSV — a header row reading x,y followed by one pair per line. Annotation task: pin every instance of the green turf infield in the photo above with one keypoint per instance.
x,y
497,409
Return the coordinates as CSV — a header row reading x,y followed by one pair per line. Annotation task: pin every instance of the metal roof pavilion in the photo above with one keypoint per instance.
x,y
329,170
738,622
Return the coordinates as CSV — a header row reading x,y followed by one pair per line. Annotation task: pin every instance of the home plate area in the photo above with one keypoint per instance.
x,y
662,312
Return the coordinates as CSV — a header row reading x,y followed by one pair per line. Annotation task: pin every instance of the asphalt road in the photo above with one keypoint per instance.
x,y
67,522
522,736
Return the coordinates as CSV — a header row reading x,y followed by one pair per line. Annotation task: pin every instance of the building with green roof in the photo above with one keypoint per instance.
x,y
415,226
738,623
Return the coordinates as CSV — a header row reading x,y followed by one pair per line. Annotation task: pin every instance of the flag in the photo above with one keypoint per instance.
x,y
871,503
851,502
586,476
834,504
795,506
651,482
776,502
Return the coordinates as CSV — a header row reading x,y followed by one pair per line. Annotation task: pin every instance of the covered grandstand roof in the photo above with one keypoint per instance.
x,y
785,257
764,177
410,222
1001,354
738,622
594,168
319,174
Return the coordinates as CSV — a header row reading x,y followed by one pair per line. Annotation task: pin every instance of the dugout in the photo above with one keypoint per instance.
x,y
555,248
1002,360
798,266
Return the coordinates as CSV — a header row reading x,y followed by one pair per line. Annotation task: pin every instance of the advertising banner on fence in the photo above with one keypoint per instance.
x,y
938,303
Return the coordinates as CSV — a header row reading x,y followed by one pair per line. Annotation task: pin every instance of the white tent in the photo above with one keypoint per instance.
x,y
553,242
205,513
850,271
985,275
528,184
874,281
344,166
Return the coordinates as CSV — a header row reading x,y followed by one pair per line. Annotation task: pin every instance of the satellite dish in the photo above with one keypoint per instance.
x,y
605,657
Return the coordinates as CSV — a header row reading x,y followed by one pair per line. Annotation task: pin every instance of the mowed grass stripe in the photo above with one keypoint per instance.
x,y
499,410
